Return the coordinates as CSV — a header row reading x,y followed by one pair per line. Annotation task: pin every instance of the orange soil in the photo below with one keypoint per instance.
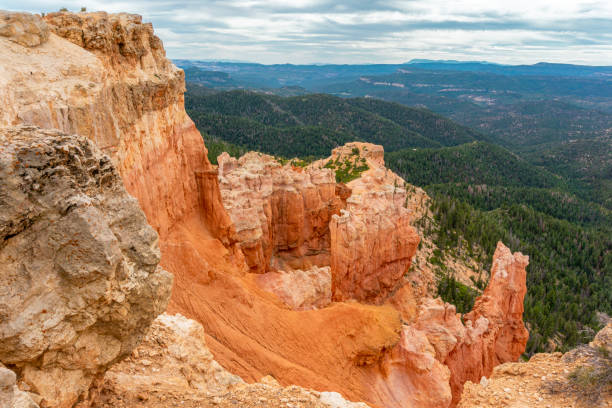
x,y
252,334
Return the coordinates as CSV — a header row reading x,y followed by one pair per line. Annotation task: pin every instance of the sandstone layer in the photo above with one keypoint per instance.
x,y
372,240
106,77
280,214
289,218
496,333
435,341
80,281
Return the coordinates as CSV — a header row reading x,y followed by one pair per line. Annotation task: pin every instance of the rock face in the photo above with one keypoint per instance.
x,y
23,28
281,215
106,77
79,277
287,218
372,240
371,246
174,357
10,395
495,330
443,353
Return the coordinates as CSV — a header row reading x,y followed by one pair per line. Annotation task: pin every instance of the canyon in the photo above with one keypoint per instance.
x,y
286,274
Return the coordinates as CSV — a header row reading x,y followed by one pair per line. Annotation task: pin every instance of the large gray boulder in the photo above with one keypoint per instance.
x,y
79,276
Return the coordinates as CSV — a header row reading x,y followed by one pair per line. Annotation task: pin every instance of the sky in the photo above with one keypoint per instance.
x,y
369,31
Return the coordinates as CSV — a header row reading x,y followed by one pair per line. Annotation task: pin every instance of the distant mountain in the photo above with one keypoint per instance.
x,y
314,76
525,108
429,61
541,68
258,76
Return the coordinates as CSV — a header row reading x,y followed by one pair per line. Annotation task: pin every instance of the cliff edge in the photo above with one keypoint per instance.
x,y
374,338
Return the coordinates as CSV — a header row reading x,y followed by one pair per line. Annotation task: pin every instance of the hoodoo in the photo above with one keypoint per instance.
x,y
237,239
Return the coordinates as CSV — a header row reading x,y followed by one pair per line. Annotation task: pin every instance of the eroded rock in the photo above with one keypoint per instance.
x,y
281,215
372,240
106,77
300,290
25,29
495,330
174,358
573,379
80,281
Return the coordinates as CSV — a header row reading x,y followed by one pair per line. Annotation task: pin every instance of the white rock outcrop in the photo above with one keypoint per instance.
x,y
79,275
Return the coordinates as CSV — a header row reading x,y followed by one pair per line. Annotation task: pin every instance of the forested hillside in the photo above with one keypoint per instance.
x,y
570,272
547,201
476,163
312,125
483,193
585,163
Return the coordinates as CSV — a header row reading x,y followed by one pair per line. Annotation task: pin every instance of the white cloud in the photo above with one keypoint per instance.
x,y
362,31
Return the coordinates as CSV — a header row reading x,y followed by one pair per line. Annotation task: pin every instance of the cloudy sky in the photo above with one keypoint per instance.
x,y
368,31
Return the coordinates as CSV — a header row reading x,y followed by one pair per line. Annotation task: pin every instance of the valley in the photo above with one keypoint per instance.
x,y
200,238
483,189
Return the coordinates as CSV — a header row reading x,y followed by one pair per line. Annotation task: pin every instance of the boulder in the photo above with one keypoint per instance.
x,y
80,277
25,29
298,289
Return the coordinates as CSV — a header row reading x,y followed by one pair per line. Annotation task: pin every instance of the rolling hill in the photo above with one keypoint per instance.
x,y
312,125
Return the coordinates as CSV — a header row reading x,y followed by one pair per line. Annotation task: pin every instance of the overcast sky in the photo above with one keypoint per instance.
x,y
370,31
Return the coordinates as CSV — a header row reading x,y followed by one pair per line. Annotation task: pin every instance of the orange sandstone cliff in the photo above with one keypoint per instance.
x,y
105,76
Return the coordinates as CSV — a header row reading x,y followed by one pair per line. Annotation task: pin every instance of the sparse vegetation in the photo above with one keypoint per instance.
x,y
348,169
216,147
590,381
456,293
593,381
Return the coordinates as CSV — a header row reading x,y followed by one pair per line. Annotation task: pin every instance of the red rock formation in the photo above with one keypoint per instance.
x,y
116,87
495,331
417,378
372,241
286,218
106,77
281,215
